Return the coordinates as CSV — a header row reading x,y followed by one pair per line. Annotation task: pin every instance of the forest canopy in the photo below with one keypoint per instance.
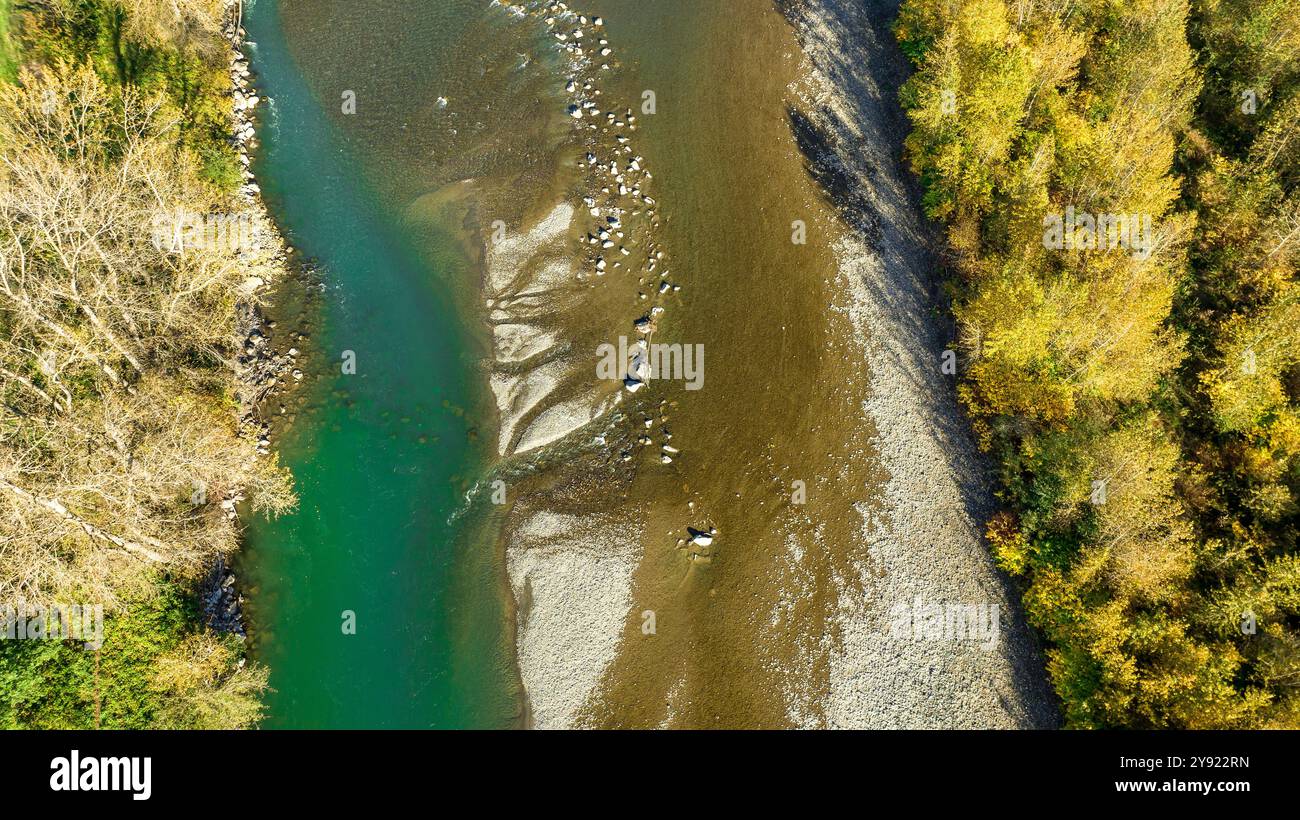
x,y
1118,183
121,453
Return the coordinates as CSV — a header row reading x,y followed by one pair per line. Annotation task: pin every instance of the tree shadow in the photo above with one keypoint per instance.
x,y
851,139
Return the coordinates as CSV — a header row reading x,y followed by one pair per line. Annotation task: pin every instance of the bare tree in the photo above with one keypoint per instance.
x,y
118,443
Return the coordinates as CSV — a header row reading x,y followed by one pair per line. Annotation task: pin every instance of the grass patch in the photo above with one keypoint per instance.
x,y
8,51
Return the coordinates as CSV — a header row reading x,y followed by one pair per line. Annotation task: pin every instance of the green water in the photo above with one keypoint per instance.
x,y
392,198
381,458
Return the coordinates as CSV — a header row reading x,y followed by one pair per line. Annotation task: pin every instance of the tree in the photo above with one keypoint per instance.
x,y
118,440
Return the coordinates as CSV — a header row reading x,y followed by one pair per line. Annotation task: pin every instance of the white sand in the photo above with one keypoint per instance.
x,y
507,259
572,578
560,420
518,395
526,272
517,342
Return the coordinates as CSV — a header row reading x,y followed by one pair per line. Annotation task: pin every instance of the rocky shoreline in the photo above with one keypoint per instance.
x,y
928,538
263,372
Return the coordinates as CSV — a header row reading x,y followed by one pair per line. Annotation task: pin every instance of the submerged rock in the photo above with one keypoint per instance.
x,y
702,538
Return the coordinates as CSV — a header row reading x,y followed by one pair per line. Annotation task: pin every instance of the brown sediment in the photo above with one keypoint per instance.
x,y
817,371
822,369
758,425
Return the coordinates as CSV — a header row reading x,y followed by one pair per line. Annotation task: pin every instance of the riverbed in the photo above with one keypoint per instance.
x,y
488,193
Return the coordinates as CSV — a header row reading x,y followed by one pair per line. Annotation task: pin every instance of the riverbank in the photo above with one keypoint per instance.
x,y
749,575
927,536
262,370
139,375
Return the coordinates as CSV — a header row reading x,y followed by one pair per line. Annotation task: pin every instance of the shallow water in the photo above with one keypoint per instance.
x,y
381,457
740,628
459,123
384,188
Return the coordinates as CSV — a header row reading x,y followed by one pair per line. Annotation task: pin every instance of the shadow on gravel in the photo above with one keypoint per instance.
x,y
852,143
841,187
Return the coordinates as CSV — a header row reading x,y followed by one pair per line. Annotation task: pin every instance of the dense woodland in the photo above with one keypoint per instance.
x,y
1142,409
119,435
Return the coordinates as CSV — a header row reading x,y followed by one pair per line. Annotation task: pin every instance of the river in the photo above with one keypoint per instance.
x,y
476,196
382,456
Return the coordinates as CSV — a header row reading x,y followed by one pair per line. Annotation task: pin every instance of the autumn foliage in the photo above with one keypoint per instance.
x,y
1140,399
121,453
